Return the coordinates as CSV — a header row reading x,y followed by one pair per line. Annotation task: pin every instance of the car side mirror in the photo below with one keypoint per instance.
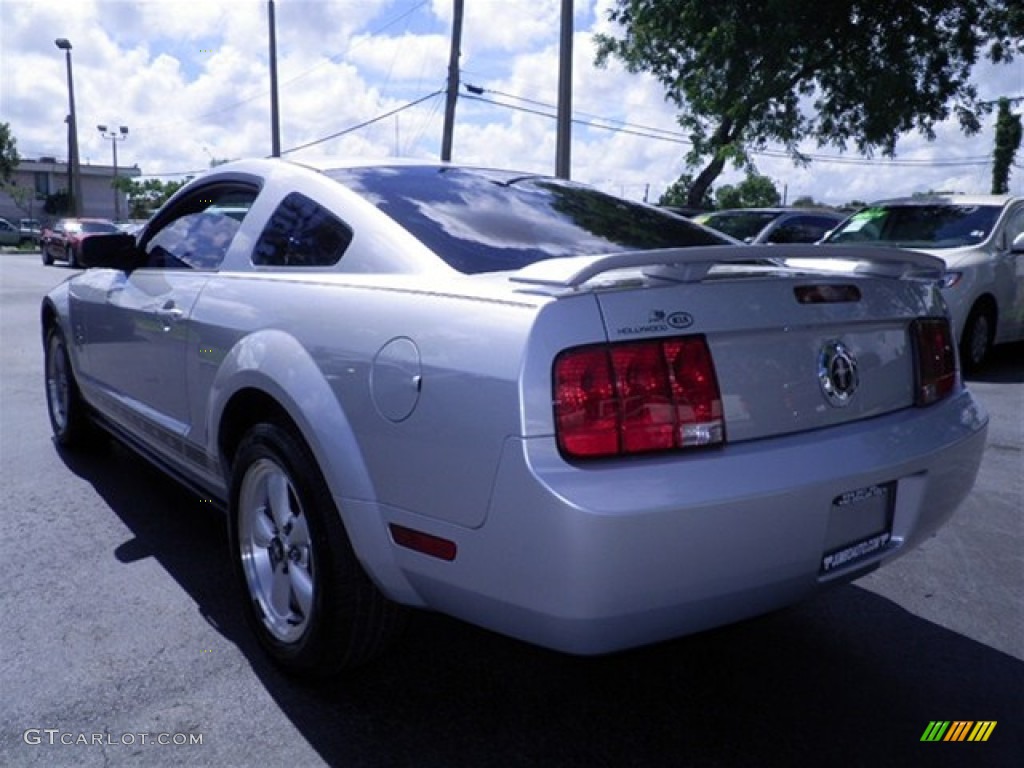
x,y
115,251
1017,246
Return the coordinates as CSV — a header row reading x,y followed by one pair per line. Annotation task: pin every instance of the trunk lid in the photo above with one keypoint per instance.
x,y
793,350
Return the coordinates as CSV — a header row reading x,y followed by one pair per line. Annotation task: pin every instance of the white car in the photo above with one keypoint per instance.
x,y
574,419
981,240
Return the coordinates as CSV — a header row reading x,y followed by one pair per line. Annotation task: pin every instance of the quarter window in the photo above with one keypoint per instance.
x,y
301,233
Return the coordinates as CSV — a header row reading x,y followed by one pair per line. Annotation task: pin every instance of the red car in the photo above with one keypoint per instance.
x,y
63,240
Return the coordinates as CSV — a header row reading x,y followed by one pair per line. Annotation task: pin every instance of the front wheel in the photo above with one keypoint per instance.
x,y
47,258
69,417
308,600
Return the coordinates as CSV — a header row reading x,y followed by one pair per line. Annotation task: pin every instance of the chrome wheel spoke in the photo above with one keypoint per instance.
x,y
278,497
262,529
280,593
302,588
296,533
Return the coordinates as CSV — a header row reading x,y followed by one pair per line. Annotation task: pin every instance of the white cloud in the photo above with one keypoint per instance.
x,y
191,79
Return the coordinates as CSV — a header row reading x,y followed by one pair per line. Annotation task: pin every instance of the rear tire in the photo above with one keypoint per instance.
x,y
976,340
309,602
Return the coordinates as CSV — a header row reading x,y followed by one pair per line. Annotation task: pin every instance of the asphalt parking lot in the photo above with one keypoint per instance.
x,y
122,641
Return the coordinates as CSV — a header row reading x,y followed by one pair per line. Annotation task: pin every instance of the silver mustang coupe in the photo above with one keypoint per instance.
x,y
570,418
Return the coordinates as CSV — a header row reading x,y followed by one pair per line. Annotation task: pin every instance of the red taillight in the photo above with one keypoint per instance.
x,y
637,397
936,360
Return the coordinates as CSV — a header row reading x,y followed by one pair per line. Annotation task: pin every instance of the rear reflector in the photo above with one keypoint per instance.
x,y
426,543
636,397
935,358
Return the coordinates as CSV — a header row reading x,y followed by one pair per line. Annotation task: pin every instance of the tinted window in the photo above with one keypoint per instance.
x,y
931,226
743,225
197,231
98,226
802,229
485,221
301,233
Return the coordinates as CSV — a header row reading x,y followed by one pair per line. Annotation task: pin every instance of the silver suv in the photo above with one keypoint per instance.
x,y
981,239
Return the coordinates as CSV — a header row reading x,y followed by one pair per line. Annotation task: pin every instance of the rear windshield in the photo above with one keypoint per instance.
x,y
489,221
97,226
920,226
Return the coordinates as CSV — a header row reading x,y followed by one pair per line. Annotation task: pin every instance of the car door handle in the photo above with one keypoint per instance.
x,y
169,314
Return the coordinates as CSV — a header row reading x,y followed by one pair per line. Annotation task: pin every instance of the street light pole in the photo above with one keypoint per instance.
x,y
115,136
275,119
448,131
74,170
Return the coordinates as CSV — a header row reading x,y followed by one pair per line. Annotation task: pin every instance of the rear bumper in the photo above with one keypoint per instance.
x,y
603,557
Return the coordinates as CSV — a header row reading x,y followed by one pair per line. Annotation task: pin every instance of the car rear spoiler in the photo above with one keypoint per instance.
x,y
691,265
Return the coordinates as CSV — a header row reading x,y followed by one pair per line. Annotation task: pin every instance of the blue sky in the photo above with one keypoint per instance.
x,y
190,80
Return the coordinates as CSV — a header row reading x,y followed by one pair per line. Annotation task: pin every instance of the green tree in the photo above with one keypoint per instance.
x,y
755,191
1008,136
9,161
144,197
678,194
9,157
747,74
806,201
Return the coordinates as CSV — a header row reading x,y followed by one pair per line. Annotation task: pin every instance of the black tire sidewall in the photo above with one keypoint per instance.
x,y
967,343
269,441
72,430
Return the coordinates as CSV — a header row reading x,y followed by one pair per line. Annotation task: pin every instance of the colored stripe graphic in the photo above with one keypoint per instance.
x,y
958,730
982,730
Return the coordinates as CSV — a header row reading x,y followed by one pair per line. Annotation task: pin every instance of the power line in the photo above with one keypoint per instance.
x,y
365,123
660,134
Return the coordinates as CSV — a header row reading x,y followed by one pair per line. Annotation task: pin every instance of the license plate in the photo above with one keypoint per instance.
x,y
859,526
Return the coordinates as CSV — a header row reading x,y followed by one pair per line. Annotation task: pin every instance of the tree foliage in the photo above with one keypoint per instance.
x,y
755,191
144,197
1008,136
678,194
748,73
9,157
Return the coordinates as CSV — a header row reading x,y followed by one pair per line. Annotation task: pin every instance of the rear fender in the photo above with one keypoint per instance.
x,y
276,364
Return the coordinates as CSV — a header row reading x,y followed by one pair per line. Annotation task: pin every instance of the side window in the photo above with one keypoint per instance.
x,y
1014,225
198,231
301,233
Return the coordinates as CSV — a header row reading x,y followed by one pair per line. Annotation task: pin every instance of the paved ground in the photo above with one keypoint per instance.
x,y
118,618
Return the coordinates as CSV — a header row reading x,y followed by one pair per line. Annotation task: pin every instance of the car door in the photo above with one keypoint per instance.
x,y
1011,275
136,323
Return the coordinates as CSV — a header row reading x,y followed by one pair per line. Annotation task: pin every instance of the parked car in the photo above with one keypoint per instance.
x,y
30,231
772,225
9,234
980,238
513,399
63,241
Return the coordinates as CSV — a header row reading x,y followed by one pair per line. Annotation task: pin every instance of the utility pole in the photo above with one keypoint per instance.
x,y
453,84
564,137
275,122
